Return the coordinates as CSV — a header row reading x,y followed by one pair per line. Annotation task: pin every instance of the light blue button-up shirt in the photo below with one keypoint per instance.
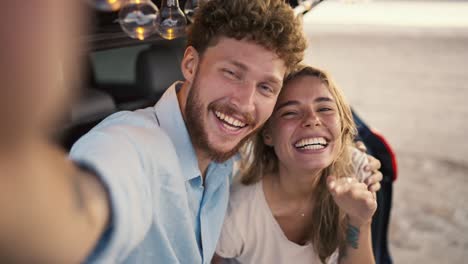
x,y
162,212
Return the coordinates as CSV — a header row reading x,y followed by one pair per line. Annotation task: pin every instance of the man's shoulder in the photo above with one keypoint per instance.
x,y
244,205
243,195
132,123
137,129
145,117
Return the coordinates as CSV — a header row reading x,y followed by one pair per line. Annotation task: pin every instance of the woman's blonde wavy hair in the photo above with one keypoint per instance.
x,y
327,231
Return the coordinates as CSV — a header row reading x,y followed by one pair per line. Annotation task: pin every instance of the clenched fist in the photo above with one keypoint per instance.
x,y
354,198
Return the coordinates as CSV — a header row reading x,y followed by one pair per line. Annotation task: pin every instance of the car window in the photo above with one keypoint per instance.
x,y
115,66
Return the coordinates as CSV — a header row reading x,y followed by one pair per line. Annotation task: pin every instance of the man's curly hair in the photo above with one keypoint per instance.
x,y
269,23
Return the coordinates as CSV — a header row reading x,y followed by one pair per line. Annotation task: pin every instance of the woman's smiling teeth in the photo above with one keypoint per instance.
x,y
311,143
230,122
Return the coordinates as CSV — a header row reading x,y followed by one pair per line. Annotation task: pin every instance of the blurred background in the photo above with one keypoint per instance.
x,y
404,68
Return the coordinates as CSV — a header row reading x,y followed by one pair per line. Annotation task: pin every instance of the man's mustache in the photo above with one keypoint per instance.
x,y
229,109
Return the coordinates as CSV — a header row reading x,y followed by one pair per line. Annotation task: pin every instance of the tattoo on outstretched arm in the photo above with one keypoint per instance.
x,y
352,236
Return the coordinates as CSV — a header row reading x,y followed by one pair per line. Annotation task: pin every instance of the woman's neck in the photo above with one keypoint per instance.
x,y
290,196
296,185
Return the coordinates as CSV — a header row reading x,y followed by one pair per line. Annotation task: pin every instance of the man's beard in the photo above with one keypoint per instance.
x,y
198,134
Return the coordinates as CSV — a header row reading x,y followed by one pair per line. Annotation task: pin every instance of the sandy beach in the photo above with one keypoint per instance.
x,y
411,83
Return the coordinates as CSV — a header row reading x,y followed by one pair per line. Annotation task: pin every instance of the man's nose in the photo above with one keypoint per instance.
x,y
244,96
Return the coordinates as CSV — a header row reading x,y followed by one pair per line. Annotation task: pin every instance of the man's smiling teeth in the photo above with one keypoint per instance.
x,y
311,143
230,120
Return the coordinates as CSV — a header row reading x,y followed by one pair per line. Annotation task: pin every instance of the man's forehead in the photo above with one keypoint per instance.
x,y
270,77
243,48
247,55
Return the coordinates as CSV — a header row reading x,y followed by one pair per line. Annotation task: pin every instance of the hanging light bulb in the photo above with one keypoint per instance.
x,y
189,9
138,18
172,20
107,5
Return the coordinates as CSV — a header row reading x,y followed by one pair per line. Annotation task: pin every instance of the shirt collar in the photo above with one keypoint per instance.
x,y
171,121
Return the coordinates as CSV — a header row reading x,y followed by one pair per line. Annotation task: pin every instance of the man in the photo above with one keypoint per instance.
x,y
167,168
153,184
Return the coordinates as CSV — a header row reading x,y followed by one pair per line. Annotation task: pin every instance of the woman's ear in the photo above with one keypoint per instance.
x,y
267,138
190,63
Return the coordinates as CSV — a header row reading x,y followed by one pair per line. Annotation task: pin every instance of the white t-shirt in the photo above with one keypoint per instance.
x,y
251,234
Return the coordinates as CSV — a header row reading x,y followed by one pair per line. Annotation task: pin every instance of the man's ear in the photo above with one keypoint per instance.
x,y
267,138
189,63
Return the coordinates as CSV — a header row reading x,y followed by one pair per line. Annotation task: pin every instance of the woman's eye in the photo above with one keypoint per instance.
x,y
325,109
289,114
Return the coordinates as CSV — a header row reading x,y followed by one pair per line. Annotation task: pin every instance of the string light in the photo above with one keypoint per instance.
x,y
172,20
107,5
138,18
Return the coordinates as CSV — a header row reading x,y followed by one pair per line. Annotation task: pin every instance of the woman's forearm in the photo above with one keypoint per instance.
x,y
358,247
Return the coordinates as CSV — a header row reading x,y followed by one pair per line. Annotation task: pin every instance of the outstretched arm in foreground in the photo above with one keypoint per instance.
x,y
50,212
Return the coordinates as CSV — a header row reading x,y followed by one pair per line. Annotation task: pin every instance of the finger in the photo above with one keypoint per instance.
x,y
361,146
376,177
331,182
345,181
348,180
331,178
345,185
374,164
374,187
357,193
341,189
371,202
364,195
359,187
338,186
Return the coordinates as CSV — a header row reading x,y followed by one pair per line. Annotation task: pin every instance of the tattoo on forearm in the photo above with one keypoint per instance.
x,y
352,236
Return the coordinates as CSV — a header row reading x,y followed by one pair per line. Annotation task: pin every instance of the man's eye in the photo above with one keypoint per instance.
x,y
289,114
266,88
230,74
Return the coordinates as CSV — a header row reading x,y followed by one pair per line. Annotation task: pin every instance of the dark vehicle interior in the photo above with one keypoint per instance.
x,y
128,74
124,78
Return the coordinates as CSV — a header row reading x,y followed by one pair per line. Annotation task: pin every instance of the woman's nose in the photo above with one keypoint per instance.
x,y
311,119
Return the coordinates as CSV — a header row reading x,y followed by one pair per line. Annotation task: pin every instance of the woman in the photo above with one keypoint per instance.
x,y
302,198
